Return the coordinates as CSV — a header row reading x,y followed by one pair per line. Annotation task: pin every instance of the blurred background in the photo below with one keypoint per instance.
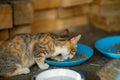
x,y
93,19
33,16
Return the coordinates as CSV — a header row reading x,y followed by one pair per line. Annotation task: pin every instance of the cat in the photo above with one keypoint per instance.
x,y
21,51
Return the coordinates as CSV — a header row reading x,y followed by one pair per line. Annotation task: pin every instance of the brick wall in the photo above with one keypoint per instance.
x,y
59,14
105,14
33,16
15,17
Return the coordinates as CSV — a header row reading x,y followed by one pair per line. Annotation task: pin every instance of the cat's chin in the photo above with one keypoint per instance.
x,y
71,56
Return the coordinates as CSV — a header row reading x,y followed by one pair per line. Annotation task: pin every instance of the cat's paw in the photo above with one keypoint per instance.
x,y
24,71
44,66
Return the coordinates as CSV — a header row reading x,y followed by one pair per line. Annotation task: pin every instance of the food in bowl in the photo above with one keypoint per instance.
x,y
117,46
117,52
74,59
114,49
83,56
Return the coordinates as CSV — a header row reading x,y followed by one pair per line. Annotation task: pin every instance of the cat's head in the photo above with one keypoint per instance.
x,y
67,47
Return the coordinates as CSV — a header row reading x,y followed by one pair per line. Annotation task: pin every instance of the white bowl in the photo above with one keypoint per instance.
x,y
59,74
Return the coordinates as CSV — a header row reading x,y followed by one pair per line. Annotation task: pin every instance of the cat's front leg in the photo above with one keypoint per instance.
x,y
40,62
60,58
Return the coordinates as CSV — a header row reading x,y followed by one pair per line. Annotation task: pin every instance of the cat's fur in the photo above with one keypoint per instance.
x,y
21,51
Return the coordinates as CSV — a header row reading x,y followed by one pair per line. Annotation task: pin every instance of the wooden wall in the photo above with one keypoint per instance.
x,y
33,16
15,17
59,14
105,14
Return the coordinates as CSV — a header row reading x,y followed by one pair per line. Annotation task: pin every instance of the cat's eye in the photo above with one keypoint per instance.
x,y
73,50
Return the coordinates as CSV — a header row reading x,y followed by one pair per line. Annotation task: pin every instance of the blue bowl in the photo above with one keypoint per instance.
x,y
81,49
107,45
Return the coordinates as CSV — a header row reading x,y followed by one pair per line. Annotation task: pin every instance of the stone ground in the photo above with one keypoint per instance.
x,y
90,68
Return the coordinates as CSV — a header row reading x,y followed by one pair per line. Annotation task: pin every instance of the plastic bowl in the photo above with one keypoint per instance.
x,y
107,46
81,49
59,74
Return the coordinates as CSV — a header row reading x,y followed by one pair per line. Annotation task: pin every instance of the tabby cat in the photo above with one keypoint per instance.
x,y
21,51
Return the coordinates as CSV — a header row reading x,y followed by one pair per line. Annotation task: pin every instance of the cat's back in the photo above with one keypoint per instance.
x,y
14,51
18,41
20,37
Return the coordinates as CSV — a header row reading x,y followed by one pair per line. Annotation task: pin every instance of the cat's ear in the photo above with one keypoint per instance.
x,y
75,39
66,32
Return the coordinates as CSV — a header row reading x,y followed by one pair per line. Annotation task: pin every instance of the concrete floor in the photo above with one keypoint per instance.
x,y
89,68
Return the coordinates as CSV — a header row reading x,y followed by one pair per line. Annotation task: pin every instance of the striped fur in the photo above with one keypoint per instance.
x,y
21,51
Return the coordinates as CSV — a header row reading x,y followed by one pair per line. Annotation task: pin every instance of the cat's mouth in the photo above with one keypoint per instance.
x,y
67,56
59,55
